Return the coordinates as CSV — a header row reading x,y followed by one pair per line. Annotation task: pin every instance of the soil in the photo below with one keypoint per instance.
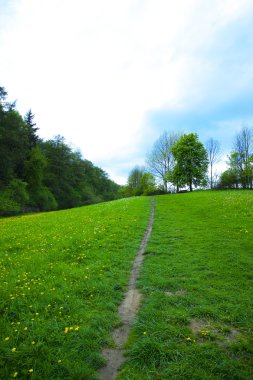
x,y
127,312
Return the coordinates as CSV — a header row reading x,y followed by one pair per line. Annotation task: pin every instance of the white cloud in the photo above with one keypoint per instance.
x,y
91,70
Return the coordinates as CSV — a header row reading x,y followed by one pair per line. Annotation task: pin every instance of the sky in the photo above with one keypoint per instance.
x,y
111,76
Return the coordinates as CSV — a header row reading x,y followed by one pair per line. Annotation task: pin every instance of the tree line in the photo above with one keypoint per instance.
x,y
43,175
180,162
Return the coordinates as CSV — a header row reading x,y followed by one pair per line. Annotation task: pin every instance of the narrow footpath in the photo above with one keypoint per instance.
x,y
127,311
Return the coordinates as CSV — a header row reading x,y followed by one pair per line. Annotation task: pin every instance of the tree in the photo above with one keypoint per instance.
x,y
191,162
213,155
32,130
241,159
14,148
229,180
140,182
3,94
160,161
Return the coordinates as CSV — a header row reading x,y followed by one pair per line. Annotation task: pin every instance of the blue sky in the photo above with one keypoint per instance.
x,y
112,75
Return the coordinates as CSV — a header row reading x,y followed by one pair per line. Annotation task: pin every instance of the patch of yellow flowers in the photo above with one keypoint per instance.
x,y
69,329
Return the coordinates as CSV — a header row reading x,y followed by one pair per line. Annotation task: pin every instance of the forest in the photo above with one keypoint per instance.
x,y
42,175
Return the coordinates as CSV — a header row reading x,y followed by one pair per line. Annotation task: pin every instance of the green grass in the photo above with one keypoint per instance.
x,y
62,277
196,319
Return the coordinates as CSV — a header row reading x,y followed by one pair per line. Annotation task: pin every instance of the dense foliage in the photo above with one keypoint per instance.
x,y
140,182
191,162
37,175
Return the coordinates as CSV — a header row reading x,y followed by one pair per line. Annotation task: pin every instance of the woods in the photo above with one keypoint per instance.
x,y
40,175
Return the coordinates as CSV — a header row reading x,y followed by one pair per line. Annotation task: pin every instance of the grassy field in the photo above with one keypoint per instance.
x,y
62,276
196,319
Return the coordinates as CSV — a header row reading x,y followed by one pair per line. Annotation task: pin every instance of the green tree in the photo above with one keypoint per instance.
x,y
41,197
31,129
140,182
14,147
191,162
229,179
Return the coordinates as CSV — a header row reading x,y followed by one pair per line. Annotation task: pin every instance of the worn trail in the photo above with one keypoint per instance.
x,y
127,311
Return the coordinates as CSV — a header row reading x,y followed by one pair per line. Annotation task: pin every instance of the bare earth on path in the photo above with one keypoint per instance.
x,y
127,311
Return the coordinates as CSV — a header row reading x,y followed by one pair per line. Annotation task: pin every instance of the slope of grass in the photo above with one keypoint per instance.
x,y
196,320
62,276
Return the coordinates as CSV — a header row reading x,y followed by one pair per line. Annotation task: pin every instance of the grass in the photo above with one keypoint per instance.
x,y
62,277
196,319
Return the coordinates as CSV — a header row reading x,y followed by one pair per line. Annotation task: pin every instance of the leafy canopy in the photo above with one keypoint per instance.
x,y
191,162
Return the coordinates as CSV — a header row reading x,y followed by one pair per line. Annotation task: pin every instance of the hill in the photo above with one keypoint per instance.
x,y
64,274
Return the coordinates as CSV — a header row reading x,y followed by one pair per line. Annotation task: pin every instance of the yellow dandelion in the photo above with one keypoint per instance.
x,y
77,328
30,370
7,338
66,330
13,349
188,339
33,342
145,333
25,328
15,374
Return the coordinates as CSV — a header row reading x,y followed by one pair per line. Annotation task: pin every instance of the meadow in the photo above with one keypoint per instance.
x,y
62,277
196,319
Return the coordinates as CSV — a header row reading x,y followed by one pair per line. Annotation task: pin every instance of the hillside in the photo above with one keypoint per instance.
x,y
64,274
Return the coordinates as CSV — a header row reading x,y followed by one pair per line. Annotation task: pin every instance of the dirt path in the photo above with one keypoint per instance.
x,y
127,311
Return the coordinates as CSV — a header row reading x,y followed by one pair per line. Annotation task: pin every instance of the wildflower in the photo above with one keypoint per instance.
x,y
71,328
13,349
15,374
7,338
188,339
77,328
30,370
145,333
25,328
33,342
59,361
66,330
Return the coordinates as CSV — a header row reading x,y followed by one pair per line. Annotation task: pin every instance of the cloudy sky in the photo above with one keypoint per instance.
x,y
111,76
